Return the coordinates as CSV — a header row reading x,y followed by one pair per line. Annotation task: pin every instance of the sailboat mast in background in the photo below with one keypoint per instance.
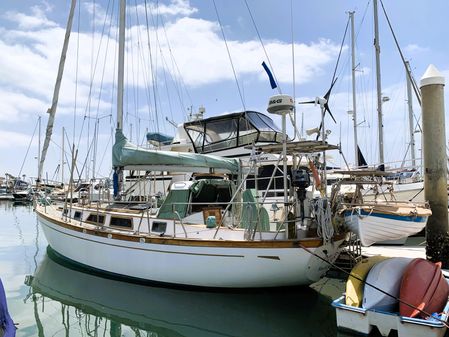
x,y
54,103
379,86
410,114
354,110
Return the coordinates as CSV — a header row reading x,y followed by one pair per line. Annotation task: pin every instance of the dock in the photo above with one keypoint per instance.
x,y
414,247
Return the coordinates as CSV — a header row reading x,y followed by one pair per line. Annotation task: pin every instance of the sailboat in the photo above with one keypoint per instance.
x,y
208,232
376,221
373,210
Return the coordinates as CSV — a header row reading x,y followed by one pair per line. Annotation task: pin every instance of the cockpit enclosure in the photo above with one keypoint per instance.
x,y
190,197
231,131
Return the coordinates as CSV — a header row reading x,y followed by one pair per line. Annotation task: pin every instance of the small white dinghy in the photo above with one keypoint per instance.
x,y
385,275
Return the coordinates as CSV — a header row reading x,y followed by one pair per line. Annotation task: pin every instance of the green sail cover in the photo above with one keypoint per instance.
x,y
127,155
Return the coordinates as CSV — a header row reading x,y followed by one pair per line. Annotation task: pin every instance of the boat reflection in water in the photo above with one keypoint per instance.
x,y
73,300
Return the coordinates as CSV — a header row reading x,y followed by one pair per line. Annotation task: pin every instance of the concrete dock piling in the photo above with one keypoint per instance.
x,y
435,165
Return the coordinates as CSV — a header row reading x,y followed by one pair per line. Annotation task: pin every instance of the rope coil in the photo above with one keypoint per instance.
x,y
323,216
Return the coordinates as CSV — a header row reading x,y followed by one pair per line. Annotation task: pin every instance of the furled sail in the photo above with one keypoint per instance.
x,y
130,156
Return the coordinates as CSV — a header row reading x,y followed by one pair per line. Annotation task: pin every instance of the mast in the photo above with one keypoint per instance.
x,y
39,146
410,113
117,176
52,110
379,88
62,156
354,111
121,65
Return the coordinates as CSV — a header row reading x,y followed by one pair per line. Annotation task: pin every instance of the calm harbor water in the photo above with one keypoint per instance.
x,y
46,297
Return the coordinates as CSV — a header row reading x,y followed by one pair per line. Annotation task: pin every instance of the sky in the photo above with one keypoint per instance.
x,y
183,54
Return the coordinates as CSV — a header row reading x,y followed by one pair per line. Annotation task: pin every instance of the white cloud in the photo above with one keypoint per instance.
x,y
7,138
174,8
15,106
38,18
208,62
415,49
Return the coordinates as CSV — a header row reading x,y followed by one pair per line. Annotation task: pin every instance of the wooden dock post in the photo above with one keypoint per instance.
x,y
435,165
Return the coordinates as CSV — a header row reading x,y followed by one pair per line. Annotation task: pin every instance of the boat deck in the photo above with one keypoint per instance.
x,y
414,247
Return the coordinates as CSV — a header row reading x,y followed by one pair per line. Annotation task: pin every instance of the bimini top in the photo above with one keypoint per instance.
x,y
231,131
132,157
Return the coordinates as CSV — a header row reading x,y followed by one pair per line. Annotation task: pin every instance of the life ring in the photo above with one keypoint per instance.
x,y
315,174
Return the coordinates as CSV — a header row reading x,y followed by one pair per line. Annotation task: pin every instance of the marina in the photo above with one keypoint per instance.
x,y
164,216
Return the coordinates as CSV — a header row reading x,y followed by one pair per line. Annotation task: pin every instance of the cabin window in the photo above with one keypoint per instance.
x,y
77,215
95,218
158,226
247,132
121,222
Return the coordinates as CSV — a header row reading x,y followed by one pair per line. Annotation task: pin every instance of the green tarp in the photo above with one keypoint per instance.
x,y
177,200
254,215
127,155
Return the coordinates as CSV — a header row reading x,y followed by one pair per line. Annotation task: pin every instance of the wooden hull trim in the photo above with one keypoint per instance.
x,y
111,234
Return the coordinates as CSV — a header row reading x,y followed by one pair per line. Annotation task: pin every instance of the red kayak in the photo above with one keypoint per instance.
x,y
424,287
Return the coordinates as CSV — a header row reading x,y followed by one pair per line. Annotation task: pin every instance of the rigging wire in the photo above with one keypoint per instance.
x,y
135,80
153,74
229,55
97,118
263,46
92,77
104,154
76,73
363,19
415,87
29,146
361,82
156,20
145,76
92,74
163,64
166,86
408,71
176,71
112,120
293,119
340,52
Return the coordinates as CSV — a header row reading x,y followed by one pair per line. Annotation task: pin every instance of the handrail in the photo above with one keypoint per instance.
x,y
182,225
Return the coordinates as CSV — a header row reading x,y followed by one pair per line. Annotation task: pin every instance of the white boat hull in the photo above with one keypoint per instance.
x,y
375,227
402,192
182,262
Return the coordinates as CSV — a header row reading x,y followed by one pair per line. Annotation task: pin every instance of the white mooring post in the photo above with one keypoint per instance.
x,y
435,165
